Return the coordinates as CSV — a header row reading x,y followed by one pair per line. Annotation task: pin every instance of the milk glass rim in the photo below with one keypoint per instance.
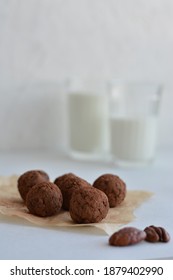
x,y
86,86
158,86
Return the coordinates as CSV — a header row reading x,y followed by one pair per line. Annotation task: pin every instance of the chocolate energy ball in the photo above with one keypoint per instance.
x,y
30,178
88,205
59,181
113,187
44,199
68,183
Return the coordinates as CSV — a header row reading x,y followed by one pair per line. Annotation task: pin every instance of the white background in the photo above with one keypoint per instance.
x,y
43,42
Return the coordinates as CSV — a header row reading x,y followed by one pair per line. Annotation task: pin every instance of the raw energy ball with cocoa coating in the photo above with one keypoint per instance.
x,y
30,178
59,181
113,187
68,183
88,205
44,199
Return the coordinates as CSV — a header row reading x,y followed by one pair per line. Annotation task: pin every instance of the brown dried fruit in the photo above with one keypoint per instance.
x,y
156,234
127,236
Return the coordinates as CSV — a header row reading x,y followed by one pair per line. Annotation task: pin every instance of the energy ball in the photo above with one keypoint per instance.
x,y
88,205
68,183
59,181
113,187
44,199
30,178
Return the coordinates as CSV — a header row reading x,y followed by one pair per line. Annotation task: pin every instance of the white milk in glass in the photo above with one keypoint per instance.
x,y
134,139
133,123
88,124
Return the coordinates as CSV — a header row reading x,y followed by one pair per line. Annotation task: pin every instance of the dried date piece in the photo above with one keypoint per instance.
x,y
127,236
156,234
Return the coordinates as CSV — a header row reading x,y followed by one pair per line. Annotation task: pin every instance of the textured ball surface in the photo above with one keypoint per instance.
x,y
113,186
88,205
30,178
68,183
44,199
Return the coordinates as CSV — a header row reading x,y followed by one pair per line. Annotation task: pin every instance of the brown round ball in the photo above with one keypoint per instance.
x,y
113,187
44,199
88,205
59,181
30,178
68,183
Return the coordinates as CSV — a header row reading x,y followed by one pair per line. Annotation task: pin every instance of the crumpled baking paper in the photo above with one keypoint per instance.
x,y
11,204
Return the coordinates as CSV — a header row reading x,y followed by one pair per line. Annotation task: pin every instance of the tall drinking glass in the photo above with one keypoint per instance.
x,y
87,103
134,111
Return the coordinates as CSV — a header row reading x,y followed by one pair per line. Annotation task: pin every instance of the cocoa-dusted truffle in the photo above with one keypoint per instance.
x,y
88,205
44,199
67,184
30,178
59,181
113,187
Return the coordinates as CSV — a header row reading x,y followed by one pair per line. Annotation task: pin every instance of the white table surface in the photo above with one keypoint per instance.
x,y
23,240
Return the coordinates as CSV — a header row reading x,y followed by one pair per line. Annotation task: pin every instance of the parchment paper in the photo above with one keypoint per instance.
x,y
12,205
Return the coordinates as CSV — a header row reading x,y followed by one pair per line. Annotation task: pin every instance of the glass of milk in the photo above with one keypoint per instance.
x,y
88,119
133,120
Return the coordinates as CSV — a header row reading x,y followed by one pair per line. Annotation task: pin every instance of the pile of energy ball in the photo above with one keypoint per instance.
x,y
86,203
